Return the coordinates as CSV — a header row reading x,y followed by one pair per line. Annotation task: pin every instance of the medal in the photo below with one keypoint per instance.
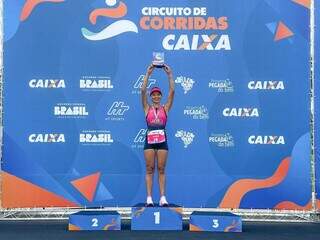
x,y
156,120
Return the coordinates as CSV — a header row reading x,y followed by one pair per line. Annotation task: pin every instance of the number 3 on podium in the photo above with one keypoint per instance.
x,y
215,223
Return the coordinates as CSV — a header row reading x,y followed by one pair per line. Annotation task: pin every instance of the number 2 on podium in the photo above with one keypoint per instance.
x,y
94,222
156,217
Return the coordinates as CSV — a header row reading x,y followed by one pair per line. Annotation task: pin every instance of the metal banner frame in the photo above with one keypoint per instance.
x,y
256,214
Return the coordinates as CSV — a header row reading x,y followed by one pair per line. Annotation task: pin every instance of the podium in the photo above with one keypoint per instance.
x,y
215,222
156,218
95,220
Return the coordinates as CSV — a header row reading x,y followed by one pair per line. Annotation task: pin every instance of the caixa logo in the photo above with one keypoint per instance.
x,y
118,109
93,84
185,82
47,83
70,110
240,112
266,85
47,138
95,138
186,137
266,140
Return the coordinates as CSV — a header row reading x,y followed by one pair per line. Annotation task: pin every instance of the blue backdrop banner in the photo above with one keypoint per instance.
x,y
238,131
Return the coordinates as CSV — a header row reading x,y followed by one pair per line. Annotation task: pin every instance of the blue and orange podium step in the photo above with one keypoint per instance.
x,y
95,220
156,218
215,222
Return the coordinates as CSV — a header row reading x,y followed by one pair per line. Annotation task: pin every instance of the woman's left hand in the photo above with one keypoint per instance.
x,y
167,69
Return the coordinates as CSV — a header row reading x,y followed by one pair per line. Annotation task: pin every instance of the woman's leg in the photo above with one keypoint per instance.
x,y
149,155
162,160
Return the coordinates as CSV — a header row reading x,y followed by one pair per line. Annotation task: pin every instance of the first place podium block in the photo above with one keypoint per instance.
x,y
156,218
95,220
215,222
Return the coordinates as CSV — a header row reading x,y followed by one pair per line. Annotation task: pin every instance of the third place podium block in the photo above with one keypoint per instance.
x,y
156,218
215,222
95,220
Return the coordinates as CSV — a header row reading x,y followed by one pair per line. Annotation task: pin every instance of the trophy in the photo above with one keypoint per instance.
x,y
158,59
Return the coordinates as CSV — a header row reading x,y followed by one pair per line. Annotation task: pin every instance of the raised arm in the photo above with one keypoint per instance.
x,y
144,88
169,103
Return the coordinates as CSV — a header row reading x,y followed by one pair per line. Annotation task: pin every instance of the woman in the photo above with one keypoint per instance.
x,y
156,146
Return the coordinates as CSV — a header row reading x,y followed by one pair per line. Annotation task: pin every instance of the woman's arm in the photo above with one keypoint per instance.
x,y
169,103
144,88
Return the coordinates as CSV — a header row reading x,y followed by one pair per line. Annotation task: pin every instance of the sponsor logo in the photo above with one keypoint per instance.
x,y
186,83
95,137
222,85
91,83
138,84
266,140
70,110
47,83
114,29
138,141
222,140
198,113
186,137
196,42
47,138
189,20
240,112
117,111
266,85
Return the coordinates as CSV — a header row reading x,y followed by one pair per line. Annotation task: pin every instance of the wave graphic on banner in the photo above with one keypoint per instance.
x,y
237,190
114,29
31,4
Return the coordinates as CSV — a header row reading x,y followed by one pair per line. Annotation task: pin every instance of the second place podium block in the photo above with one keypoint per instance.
x,y
156,218
95,220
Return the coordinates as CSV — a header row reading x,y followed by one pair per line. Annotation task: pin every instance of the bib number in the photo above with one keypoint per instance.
x,y
156,136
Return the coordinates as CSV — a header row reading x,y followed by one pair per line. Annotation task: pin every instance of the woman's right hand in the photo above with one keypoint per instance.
x,y
150,70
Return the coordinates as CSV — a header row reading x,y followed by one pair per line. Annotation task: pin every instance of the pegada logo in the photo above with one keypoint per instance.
x,y
94,83
186,137
47,83
95,137
240,112
70,109
197,112
114,29
31,4
141,136
266,85
186,83
266,140
118,109
47,138
222,140
222,85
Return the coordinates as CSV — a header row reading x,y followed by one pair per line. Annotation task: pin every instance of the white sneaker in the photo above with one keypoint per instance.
x,y
163,202
149,202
